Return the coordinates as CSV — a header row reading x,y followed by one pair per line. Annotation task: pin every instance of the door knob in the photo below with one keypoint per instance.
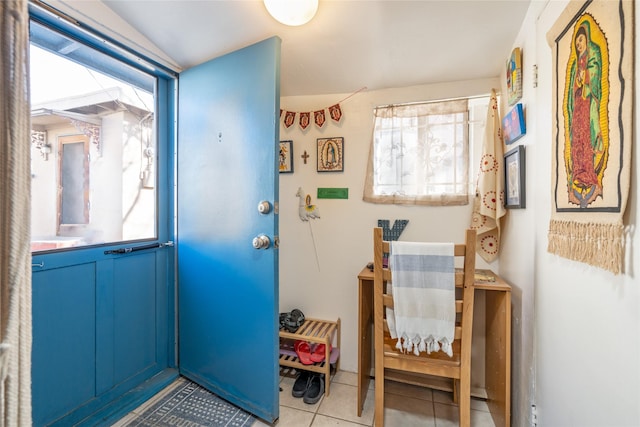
x,y
261,242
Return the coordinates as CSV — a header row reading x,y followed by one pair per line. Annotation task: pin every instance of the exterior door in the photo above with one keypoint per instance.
x,y
228,290
73,183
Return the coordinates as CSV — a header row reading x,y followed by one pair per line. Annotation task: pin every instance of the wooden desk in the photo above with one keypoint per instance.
x,y
497,346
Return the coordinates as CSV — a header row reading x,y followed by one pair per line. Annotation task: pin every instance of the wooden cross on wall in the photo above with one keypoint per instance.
x,y
305,156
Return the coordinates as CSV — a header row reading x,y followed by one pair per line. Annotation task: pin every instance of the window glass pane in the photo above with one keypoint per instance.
x,y
93,148
73,181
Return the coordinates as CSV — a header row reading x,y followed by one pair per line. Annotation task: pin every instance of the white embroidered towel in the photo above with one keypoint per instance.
x,y
424,296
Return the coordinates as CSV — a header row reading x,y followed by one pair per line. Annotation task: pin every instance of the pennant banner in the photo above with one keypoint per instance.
x,y
305,119
289,118
335,112
318,118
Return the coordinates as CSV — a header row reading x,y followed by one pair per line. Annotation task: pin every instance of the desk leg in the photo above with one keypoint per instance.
x,y
365,320
498,356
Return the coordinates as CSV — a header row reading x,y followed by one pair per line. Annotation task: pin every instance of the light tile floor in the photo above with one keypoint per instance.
x,y
405,406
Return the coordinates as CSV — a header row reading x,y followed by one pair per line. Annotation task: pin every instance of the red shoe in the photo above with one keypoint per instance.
x,y
318,353
303,351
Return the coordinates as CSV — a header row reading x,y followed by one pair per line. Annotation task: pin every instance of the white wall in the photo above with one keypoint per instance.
x,y
517,258
587,324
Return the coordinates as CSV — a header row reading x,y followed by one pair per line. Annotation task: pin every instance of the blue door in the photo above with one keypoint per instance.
x,y
228,112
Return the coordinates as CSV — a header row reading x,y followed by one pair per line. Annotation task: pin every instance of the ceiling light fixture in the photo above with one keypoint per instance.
x,y
292,12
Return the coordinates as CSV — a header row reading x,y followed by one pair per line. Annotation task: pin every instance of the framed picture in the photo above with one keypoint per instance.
x,y
513,125
330,155
286,157
514,76
514,180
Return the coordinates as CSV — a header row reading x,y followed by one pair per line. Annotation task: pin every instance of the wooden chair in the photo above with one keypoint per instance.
x,y
397,364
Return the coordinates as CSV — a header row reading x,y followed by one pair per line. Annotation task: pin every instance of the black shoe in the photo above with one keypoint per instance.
x,y
302,384
315,390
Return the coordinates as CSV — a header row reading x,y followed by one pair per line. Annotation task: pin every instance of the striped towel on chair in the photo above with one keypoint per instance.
x,y
424,296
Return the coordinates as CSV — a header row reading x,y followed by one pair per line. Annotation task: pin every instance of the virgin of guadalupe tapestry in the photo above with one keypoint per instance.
x,y
592,45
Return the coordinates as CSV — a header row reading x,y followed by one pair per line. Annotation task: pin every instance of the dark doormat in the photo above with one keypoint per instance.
x,y
187,404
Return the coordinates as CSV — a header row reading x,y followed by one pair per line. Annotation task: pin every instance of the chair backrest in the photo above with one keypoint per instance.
x,y
464,279
393,364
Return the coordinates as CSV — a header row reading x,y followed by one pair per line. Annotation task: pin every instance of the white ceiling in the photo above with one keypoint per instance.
x,y
349,44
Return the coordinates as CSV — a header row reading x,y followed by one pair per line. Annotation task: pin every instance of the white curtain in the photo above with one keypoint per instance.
x,y
15,200
419,154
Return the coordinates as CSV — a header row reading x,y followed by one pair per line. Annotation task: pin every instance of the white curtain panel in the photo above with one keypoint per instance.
x,y
15,200
411,141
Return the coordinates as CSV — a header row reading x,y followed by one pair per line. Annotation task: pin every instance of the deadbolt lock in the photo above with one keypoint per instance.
x,y
264,207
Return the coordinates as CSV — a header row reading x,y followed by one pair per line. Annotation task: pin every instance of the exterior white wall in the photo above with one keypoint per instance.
x,y
106,179
43,190
124,210
138,202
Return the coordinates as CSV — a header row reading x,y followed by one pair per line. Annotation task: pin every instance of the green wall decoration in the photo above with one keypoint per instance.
x,y
333,193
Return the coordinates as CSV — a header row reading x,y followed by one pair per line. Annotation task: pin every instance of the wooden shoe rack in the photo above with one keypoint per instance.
x,y
314,331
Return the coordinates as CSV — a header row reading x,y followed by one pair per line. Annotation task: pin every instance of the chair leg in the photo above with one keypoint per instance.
x,y
456,386
379,401
464,401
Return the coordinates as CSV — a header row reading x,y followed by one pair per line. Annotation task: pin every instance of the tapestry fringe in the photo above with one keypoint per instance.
x,y
599,245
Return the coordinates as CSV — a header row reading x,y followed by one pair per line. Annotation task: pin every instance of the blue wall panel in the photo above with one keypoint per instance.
x,y
134,314
64,341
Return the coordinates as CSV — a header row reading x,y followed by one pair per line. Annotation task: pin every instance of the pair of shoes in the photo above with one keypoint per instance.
x,y
309,386
318,353
309,356
291,321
